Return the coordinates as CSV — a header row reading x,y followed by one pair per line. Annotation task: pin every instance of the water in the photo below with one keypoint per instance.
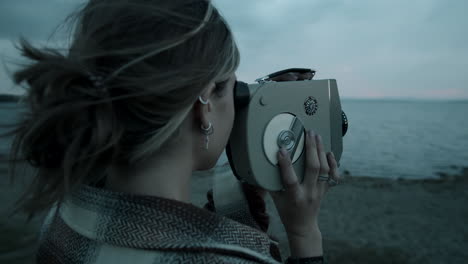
x,y
8,114
392,139
408,139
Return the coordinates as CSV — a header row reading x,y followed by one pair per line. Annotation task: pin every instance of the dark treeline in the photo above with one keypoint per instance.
x,y
9,98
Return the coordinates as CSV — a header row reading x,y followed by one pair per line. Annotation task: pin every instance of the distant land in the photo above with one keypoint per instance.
x,y
452,100
13,98
9,98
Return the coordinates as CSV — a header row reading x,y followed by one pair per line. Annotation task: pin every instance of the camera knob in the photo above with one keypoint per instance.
x,y
286,139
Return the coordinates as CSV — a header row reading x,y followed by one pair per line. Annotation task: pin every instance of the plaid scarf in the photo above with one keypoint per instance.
x,y
95,225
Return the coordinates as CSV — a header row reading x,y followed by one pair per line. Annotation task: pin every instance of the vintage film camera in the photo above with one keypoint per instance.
x,y
271,114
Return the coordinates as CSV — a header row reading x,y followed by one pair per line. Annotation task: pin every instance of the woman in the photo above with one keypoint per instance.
x,y
117,125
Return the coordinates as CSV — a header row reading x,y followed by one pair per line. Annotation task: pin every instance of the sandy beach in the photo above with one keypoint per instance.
x,y
363,220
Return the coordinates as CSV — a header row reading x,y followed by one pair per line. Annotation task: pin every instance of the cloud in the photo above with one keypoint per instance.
x,y
34,19
394,48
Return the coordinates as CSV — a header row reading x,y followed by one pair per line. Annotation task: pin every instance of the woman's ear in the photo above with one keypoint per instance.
x,y
207,95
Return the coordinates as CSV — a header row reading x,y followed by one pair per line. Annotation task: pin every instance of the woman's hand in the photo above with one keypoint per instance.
x,y
299,204
255,195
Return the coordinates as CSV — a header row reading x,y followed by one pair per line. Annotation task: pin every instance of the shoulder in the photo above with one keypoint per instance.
x,y
117,255
202,257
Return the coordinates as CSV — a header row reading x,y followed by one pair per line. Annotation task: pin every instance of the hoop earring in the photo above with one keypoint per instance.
x,y
203,101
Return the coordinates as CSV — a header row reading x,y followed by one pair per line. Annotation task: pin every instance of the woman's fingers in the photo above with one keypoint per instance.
x,y
334,173
305,76
324,168
312,163
288,176
317,165
289,76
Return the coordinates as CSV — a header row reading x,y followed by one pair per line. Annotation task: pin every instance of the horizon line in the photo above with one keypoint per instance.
x,y
403,98
8,97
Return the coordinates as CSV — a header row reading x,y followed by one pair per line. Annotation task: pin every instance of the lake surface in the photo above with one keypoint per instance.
x,y
409,139
391,139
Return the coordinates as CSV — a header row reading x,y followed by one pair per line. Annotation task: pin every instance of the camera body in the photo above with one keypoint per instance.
x,y
272,114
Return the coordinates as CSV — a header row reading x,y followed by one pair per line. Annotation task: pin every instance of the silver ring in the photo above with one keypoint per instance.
x,y
332,182
323,178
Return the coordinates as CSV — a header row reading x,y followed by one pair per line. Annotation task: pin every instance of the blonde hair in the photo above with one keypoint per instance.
x,y
155,58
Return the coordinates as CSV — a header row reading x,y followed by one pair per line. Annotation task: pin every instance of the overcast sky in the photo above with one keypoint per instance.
x,y
374,48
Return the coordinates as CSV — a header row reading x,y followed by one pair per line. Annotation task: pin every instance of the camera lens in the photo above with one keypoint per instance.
x,y
344,122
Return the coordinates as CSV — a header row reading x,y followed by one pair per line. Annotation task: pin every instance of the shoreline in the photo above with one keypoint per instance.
x,y
375,220
380,220
362,220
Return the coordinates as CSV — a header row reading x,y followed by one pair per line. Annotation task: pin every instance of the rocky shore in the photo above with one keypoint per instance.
x,y
363,219
375,220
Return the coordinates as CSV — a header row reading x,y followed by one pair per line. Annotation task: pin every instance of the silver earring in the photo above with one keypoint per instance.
x,y
207,131
203,101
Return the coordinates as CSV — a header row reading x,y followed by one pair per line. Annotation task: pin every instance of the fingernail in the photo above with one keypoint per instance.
x,y
333,155
283,152
319,138
311,133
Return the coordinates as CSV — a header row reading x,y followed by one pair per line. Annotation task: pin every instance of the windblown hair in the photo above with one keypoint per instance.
x,y
155,57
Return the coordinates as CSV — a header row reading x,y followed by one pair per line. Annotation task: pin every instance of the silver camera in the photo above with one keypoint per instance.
x,y
272,114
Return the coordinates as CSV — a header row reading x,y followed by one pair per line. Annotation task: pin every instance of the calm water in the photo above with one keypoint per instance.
x,y
413,139
8,114
409,139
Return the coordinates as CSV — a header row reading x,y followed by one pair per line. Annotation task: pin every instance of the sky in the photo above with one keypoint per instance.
x,y
381,49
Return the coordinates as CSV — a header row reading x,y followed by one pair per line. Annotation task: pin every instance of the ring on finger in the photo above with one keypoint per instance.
x,y
323,178
332,182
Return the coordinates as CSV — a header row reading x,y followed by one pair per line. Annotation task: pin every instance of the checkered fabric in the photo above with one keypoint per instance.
x,y
95,225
